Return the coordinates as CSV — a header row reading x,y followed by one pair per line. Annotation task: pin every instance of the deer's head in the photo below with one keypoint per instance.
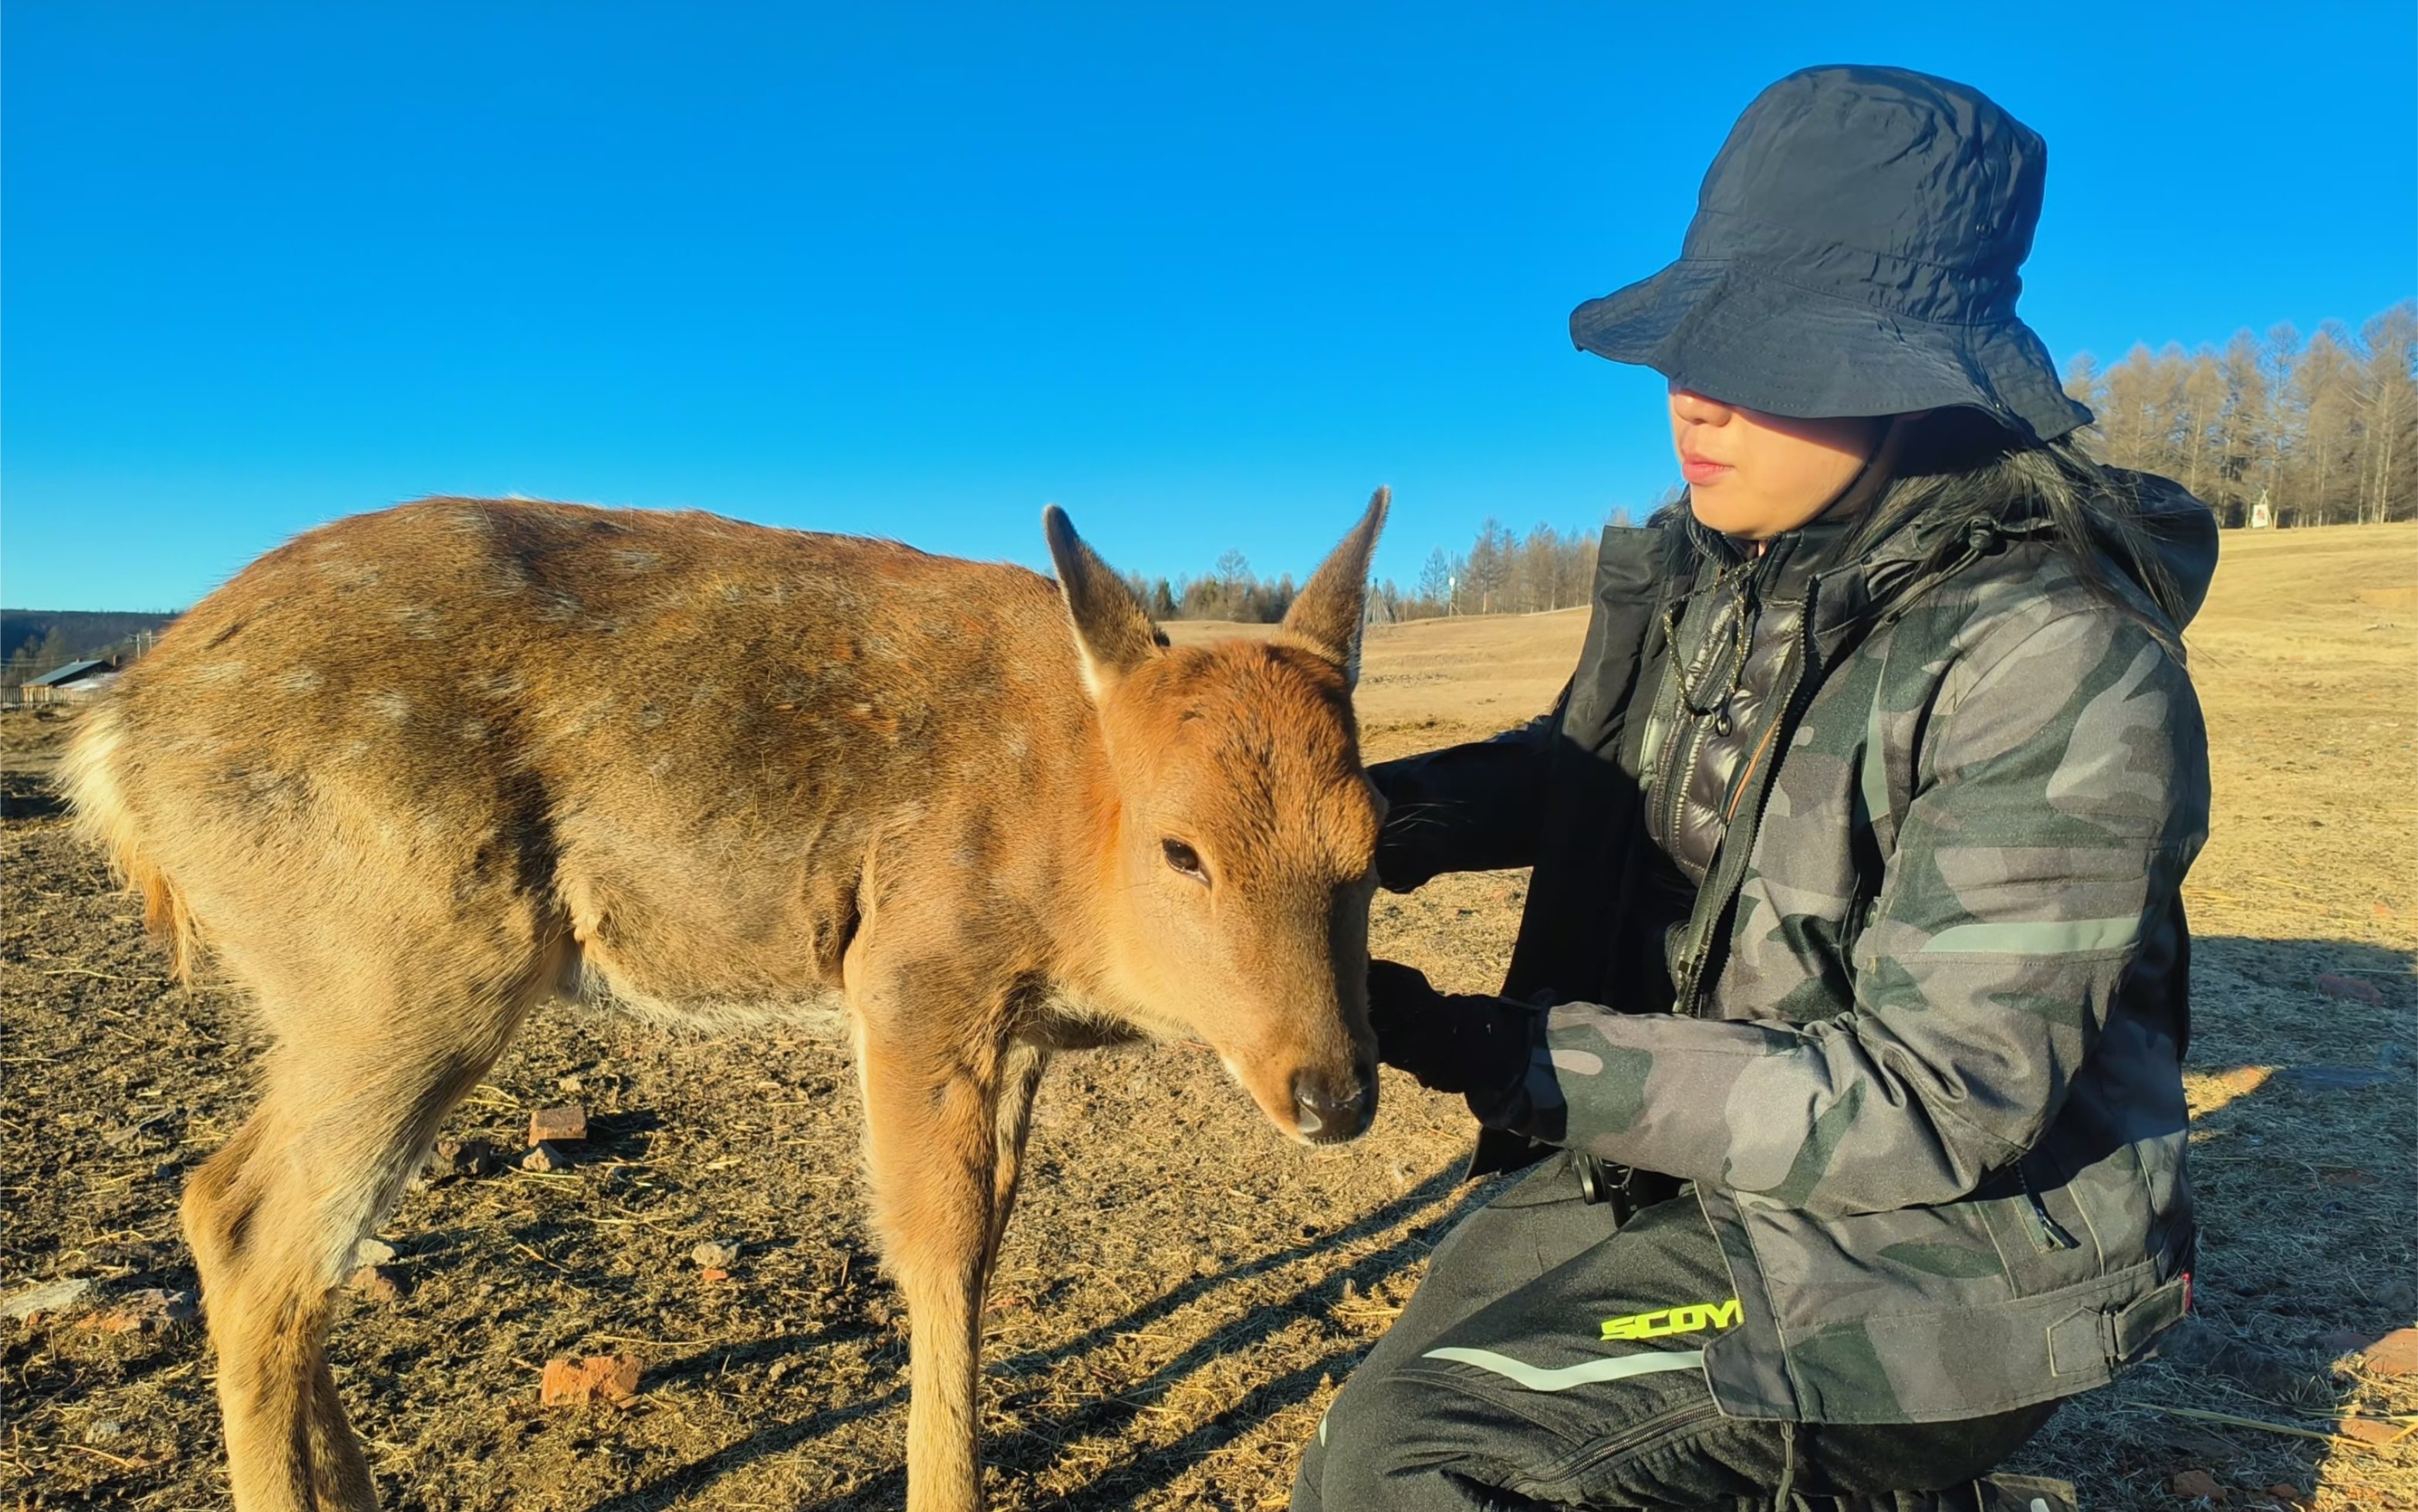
x,y
1241,855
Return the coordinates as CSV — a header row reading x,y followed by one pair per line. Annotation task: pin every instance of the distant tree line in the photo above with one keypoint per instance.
x,y
31,658
1500,574
1230,590
2325,427
35,641
71,634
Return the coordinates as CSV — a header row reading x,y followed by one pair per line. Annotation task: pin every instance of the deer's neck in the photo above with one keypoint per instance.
x,y
1082,908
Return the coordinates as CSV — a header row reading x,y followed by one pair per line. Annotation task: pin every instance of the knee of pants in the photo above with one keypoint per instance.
x,y
1390,1441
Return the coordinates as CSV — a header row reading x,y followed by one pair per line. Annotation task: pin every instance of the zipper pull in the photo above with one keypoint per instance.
x,y
2047,1233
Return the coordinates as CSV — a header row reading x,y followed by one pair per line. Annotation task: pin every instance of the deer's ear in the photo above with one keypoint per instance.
x,y
1326,617
1111,633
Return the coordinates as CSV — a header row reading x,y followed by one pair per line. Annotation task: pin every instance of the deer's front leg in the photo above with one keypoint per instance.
x,y
931,1121
1019,1080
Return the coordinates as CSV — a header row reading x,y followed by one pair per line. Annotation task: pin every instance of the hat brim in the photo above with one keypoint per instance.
x,y
1732,332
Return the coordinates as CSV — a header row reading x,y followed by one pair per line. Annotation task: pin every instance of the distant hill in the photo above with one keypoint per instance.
x,y
57,635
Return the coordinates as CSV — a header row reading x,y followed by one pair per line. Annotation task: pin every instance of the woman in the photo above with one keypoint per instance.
x,y
1851,986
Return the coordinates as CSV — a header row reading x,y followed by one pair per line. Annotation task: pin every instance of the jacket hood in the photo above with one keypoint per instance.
x,y
2181,531
2184,530
2182,534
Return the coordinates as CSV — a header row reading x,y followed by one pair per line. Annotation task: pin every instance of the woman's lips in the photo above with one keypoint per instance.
x,y
1700,470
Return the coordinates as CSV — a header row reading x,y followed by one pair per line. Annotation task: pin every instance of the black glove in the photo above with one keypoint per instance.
x,y
1450,1043
1402,865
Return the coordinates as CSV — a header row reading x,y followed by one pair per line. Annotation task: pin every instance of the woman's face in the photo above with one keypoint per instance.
x,y
1755,476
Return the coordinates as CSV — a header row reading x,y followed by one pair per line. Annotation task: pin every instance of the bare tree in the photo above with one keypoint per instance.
x,y
2279,358
2324,401
2129,425
2082,382
2387,397
1487,570
2203,404
1435,579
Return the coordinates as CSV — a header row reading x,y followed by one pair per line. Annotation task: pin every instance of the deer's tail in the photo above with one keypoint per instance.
x,y
90,773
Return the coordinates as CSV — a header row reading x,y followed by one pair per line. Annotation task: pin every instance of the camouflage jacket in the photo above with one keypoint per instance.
x,y
1916,1038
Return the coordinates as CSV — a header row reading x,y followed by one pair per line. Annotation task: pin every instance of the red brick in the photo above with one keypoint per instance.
x,y
2197,1483
2395,1354
559,1125
599,1378
148,1311
377,1283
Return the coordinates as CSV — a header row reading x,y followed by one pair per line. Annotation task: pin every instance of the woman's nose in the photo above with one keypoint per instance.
x,y
1698,409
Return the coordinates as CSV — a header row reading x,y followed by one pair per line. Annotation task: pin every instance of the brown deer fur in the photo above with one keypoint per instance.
x,y
412,774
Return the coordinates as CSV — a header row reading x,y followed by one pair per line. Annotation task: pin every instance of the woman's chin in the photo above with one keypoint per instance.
x,y
1744,516
1729,515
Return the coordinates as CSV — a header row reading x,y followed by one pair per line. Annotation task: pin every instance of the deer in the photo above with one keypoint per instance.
x,y
415,773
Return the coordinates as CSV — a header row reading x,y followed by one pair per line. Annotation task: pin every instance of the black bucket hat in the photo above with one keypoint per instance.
x,y
1853,252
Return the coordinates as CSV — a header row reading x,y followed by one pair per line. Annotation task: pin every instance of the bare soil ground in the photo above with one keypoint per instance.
x,y
1180,1292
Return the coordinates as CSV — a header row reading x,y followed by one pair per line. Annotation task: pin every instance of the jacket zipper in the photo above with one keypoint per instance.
x,y
1730,864
1737,793
1675,778
2047,1234
1681,755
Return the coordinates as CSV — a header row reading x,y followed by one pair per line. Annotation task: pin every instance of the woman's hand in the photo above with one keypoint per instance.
x,y
1465,808
1448,1042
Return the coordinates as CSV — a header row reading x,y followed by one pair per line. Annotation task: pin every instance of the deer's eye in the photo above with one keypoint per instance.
x,y
1184,859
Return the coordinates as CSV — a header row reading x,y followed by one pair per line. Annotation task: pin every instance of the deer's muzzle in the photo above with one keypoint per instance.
x,y
1329,1109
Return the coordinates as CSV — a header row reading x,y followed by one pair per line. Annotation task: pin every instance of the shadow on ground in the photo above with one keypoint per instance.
x,y
2301,1162
1430,1207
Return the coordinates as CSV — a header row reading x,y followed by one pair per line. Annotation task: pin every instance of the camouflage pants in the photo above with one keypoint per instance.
x,y
1549,1361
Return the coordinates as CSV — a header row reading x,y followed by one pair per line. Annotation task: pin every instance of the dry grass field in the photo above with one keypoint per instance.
x,y
1180,1291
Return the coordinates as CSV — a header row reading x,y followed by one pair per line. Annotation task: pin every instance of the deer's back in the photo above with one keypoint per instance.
x,y
685,729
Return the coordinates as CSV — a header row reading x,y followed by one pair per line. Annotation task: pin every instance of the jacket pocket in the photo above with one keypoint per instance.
x,y
1851,928
1588,1474
2038,1227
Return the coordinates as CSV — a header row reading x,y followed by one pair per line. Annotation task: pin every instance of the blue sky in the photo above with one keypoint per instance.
x,y
1203,274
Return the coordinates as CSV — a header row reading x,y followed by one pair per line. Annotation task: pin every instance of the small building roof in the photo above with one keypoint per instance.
x,y
72,672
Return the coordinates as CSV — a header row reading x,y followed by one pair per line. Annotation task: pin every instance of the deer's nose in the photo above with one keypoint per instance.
x,y
1328,1109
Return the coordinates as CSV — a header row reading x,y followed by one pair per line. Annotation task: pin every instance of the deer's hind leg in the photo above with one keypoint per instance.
x,y
366,1064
